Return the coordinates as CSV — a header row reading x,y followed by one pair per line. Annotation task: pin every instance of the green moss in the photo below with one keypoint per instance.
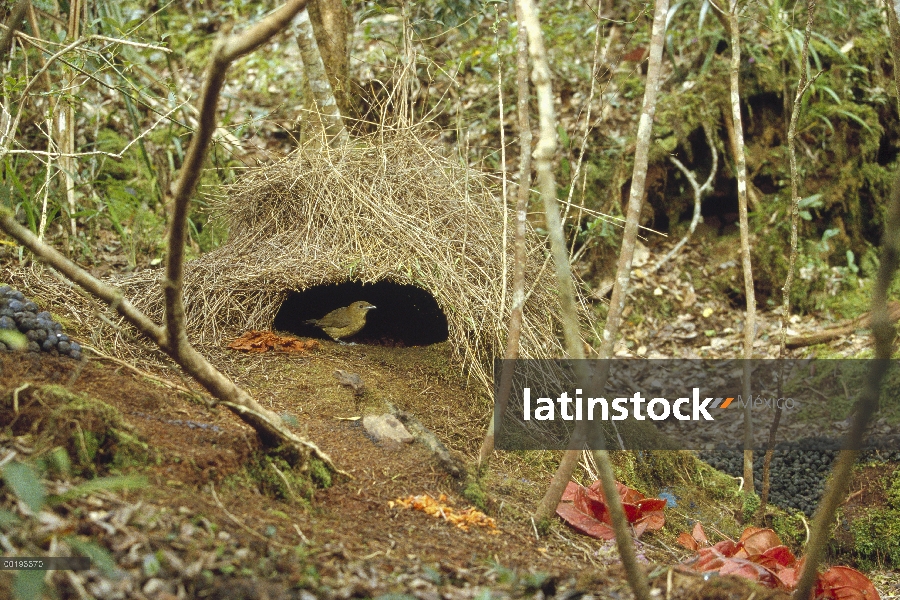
x,y
91,431
790,527
702,493
275,477
648,470
875,535
893,490
749,506
475,493
320,473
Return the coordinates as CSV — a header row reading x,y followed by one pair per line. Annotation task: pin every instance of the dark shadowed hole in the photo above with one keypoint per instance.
x,y
406,315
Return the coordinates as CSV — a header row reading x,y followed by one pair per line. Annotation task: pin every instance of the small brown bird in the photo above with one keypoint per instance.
x,y
343,322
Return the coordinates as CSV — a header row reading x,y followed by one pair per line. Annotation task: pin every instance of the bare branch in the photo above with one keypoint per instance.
x,y
172,338
107,293
523,191
225,50
116,155
802,86
741,160
883,333
543,155
699,192
7,136
587,125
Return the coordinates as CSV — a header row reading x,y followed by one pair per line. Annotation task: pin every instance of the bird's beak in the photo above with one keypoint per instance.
x,y
370,307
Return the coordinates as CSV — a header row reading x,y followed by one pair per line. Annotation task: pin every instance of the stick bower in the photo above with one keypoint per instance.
x,y
379,209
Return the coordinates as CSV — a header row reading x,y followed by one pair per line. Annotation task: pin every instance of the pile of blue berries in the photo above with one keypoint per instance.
x,y
20,314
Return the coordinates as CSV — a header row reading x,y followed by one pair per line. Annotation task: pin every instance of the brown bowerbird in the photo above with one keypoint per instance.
x,y
343,322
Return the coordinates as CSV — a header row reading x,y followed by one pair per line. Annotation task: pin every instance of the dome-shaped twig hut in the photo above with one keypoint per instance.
x,y
377,210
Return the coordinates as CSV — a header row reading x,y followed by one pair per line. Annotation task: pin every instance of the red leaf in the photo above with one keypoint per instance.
x,y
645,514
756,541
590,503
685,540
651,504
775,558
789,577
709,559
699,535
639,528
586,524
750,531
569,493
749,570
844,583
632,512
726,548
654,520
629,495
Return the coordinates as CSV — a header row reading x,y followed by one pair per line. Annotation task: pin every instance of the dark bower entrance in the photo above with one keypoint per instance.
x,y
405,315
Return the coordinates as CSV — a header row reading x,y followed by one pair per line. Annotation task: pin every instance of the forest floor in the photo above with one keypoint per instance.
x,y
207,524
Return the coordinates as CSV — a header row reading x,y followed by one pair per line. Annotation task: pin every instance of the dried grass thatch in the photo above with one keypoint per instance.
x,y
378,209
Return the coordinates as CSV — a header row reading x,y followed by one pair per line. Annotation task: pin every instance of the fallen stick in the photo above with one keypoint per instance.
x,y
838,331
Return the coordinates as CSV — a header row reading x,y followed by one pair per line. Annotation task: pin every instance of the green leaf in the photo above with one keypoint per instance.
x,y
853,117
827,122
831,93
704,9
25,484
804,214
828,42
668,143
814,201
99,556
29,585
59,460
289,420
7,518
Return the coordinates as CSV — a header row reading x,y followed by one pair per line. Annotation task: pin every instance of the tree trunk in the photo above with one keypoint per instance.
x,y
332,23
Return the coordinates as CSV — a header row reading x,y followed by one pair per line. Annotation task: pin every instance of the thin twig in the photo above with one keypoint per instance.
x,y
741,160
114,155
241,524
699,191
883,333
138,371
802,86
516,313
